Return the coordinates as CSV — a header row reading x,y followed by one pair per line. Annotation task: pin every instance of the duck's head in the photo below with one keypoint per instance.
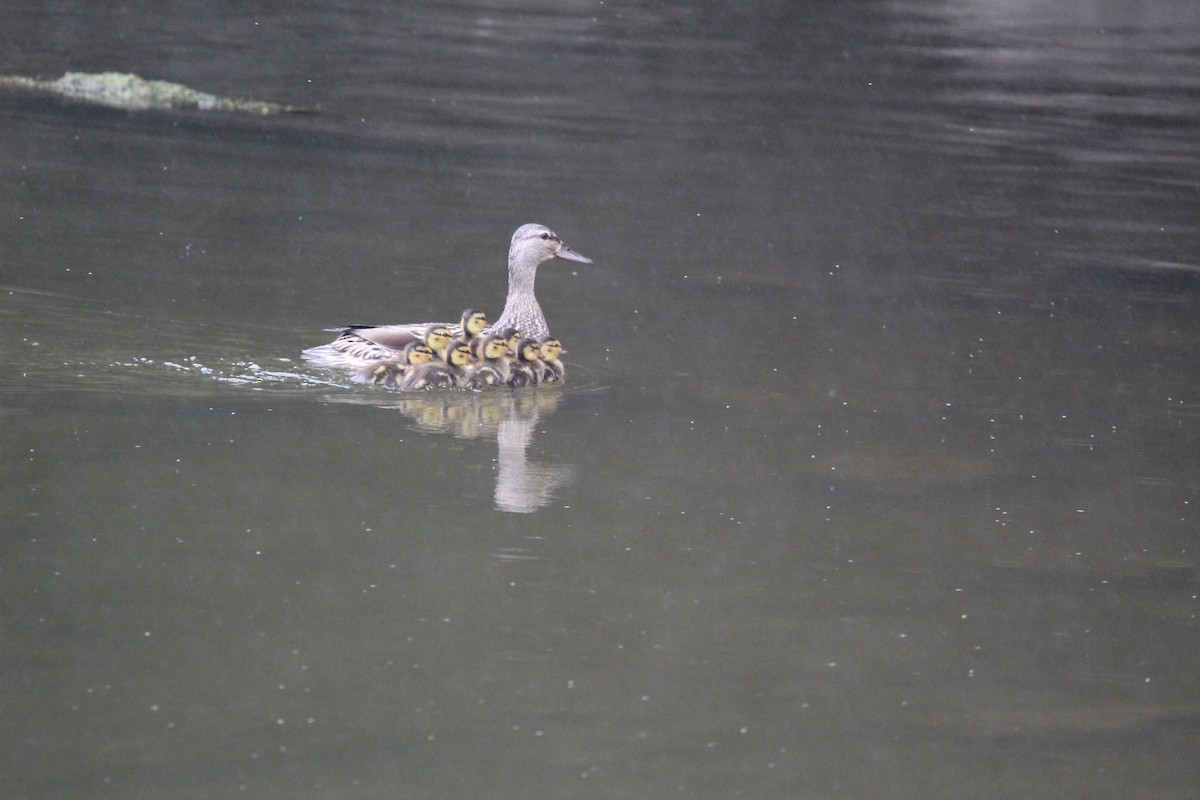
x,y
474,322
552,348
438,337
459,354
537,243
419,353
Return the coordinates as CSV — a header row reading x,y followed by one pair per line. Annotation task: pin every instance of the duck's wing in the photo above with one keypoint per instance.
x,y
350,351
397,337
359,346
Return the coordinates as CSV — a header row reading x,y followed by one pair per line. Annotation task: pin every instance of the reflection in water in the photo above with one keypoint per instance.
x,y
511,417
521,485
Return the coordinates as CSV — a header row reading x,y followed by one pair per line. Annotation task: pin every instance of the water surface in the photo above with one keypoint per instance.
x,y
875,470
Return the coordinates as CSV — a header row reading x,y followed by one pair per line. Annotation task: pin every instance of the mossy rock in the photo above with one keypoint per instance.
x,y
122,90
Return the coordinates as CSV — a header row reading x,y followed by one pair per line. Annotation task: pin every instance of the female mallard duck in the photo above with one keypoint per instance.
x,y
390,373
440,374
552,368
527,367
491,363
359,346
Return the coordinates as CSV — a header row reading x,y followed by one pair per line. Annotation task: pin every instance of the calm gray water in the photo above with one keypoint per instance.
x,y
876,470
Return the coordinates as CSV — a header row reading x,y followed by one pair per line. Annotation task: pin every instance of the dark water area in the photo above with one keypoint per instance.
x,y
874,472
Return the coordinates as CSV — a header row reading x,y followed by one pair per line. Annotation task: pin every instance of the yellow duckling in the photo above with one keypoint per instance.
x,y
389,373
441,374
527,368
513,337
552,368
439,338
474,323
491,363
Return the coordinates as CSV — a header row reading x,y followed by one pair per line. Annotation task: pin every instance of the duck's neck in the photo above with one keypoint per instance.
x,y
521,309
520,280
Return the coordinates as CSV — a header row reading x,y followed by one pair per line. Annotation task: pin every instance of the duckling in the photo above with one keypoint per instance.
x,y
474,323
552,367
458,361
439,338
510,335
527,367
441,374
389,373
477,344
513,337
491,363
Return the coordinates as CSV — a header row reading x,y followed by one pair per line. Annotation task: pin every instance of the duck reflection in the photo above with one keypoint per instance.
x,y
510,417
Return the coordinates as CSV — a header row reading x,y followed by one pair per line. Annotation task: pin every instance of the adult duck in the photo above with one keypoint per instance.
x,y
359,346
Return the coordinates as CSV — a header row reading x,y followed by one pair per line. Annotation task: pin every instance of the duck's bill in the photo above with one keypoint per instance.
x,y
570,255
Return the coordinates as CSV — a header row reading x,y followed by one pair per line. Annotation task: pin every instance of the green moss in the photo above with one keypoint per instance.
x,y
122,90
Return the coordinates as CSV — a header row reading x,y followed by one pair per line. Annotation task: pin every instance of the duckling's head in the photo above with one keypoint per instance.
x,y
552,348
459,354
537,243
513,337
419,353
495,347
438,337
474,322
530,350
